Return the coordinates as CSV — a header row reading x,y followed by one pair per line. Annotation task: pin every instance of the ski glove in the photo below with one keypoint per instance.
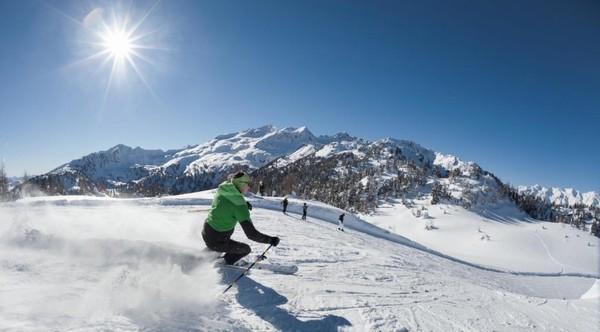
x,y
274,241
249,205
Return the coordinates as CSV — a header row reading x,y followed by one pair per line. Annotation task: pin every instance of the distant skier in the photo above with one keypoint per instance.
x,y
228,208
285,204
261,188
341,222
304,209
595,231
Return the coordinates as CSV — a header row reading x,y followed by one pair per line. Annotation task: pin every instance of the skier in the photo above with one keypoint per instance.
x,y
594,229
228,208
261,188
304,209
341,222
285,204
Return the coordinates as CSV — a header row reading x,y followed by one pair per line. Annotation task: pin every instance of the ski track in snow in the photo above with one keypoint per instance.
x,y
140,267
562,265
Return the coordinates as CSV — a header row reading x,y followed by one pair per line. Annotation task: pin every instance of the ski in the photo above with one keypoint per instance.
x,y
277,268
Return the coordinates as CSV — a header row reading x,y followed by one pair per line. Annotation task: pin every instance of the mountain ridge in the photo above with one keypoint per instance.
x,y
369,170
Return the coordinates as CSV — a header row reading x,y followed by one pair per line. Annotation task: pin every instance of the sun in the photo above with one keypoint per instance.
x,y
117,43
122,46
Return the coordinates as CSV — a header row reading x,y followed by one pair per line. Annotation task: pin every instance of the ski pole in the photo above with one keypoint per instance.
x,y
248,269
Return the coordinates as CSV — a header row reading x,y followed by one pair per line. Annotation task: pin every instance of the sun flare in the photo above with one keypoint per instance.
x,y
117,43
120,43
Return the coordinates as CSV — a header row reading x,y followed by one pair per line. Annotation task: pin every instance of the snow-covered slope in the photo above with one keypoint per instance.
x,y
562,196
81,263
497,235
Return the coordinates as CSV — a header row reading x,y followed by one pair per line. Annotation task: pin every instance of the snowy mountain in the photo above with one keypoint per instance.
x,y
95,173
359,175
91,263
119,164
341,170
248,149
123,170
562,196
206,165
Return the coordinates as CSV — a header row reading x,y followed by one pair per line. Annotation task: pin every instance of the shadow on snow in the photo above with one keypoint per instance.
x,y
265,302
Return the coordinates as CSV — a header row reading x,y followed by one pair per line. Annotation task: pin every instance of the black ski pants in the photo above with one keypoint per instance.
x,y
222,242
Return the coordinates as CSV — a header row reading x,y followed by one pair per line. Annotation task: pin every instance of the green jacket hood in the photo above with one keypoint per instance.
x,y
228,191
228,208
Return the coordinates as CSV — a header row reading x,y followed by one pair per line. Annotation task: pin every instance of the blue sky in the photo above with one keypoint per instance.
x,y
512,85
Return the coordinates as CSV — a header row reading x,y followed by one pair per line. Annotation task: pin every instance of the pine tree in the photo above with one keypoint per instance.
x,y
435,194
3,183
